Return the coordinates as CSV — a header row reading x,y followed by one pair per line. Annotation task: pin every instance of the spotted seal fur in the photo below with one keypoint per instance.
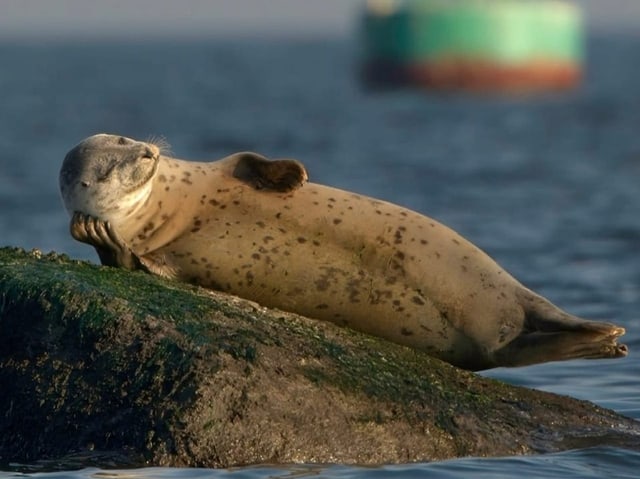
x,y
257,229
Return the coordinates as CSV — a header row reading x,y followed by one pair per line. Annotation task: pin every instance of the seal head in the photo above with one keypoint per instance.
x,y
108,176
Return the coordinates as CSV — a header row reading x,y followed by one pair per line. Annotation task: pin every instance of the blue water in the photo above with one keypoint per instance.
x,y
548,185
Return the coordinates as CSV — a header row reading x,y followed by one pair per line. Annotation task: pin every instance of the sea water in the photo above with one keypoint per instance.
x,y
546,184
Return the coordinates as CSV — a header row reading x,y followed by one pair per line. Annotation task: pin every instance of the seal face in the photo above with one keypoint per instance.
x,y
116,181
256,228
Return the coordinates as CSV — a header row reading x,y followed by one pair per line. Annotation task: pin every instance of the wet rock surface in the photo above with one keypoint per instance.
x,y
112,368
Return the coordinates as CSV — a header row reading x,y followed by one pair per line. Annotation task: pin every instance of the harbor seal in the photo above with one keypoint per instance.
x,y
258,229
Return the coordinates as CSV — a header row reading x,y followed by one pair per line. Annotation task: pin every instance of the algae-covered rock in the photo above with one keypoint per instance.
x,y
123,368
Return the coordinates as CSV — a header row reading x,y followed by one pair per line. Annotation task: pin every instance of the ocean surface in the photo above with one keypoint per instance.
x,y
549,185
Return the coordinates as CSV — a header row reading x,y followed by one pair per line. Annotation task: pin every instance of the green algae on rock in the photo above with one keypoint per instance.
x,y
103,363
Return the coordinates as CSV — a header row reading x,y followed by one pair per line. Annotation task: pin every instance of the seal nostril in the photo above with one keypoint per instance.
x,y
85,184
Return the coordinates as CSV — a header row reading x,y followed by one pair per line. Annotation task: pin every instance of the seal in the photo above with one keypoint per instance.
x,y
258,229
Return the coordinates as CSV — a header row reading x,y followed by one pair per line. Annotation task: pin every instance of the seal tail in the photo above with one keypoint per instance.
x,y
551,334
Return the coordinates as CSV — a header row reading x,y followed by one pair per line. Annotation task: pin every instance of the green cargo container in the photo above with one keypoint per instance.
x,y
472,44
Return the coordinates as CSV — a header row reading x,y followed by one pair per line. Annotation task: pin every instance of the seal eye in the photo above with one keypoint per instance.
x,y
122,140
106,167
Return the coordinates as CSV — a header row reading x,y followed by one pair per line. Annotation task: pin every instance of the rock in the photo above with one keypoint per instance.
x,y
111,368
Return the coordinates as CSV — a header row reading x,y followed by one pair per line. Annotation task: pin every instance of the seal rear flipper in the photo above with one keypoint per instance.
x,y
544,316
551,334
277,175
539,347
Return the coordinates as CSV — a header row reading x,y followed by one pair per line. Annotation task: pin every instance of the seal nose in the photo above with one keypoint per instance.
x,y
149,153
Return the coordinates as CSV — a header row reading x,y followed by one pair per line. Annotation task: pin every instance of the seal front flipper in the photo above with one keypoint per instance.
x,y
277,175
111,249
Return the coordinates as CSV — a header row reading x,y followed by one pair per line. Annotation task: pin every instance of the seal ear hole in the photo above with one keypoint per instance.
x,y
276,175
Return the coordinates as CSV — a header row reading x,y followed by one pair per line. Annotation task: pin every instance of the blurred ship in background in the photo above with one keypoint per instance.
x,y
476,45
